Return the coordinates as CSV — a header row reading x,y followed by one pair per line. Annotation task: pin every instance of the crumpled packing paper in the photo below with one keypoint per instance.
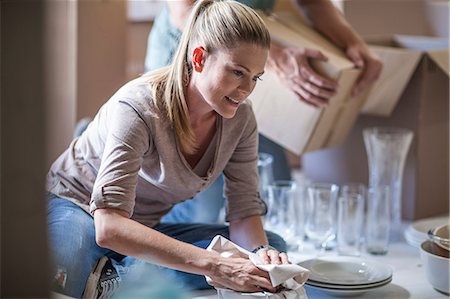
x,y
291,276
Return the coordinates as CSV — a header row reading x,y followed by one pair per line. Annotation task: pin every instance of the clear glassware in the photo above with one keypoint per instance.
x,y
350,223
353,188
387,148
378,218
286,212
321,213
265,173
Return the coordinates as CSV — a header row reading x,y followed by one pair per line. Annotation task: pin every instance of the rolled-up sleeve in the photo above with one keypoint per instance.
x,y
241,175
127,140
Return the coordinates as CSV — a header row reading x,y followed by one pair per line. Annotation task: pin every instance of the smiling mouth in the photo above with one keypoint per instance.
x,y
231,100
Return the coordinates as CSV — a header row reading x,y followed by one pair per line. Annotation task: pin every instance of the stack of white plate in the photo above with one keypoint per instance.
x,y
416,232
340,275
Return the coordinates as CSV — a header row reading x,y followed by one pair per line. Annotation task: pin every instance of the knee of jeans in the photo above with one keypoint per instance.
x,y
276,241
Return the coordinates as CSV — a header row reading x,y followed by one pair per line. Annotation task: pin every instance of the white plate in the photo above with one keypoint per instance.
x,y
343,270
346,292
347,287
416,232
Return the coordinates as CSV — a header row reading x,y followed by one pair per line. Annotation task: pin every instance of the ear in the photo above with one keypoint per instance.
x,y
198,58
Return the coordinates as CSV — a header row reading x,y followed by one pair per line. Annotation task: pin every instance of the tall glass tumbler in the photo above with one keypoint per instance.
x,y
378,220
286,212
350,223
321,213
387,149
353,188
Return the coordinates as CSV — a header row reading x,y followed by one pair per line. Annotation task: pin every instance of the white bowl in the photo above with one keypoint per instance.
x,y
436,265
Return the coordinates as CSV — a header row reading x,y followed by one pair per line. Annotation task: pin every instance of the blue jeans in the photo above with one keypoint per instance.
x,y
74,251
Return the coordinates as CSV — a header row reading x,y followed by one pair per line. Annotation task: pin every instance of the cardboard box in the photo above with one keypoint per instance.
x,y
285,119
398,66
423,108
387,17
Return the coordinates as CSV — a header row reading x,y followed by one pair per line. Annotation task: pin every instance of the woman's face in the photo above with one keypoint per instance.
x,y
228,76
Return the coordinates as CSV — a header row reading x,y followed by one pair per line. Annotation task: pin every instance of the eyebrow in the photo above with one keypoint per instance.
x,y
259,74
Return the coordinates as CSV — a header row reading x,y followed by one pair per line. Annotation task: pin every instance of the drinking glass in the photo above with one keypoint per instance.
x,y
321,213
294,233
265,173
353,188
285,210
387,148
350,223
378,219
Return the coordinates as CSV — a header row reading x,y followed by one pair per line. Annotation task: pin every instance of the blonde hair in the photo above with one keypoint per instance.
x,y
213,24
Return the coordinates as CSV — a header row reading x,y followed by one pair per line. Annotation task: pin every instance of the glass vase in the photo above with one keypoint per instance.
x,y
387,148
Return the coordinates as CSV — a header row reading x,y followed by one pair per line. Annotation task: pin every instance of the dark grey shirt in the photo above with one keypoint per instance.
x,y
129,159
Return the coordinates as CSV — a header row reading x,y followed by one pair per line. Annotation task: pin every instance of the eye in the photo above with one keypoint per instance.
x,y
238,73
256,78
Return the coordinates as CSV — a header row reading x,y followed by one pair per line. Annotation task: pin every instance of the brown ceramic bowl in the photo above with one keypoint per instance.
x,y
441,236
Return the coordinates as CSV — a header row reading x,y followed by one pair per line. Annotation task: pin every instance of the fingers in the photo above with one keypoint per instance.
x,y
273,256
293,65
371,65
310,94
315,54
241,275
355,56
263,283
370,74
313,88
284,258
308,75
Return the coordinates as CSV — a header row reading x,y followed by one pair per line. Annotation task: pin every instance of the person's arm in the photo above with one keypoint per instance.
x,y
330,22
292,64
115,231
127,140
179,12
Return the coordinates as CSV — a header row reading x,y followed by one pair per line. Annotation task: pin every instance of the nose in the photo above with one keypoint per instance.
x,y
247,86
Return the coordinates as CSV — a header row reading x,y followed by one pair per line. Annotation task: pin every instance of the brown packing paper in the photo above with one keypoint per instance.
x,y
290,122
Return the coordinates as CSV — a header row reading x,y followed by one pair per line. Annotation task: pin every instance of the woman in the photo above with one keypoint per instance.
x,y
291,64
160,140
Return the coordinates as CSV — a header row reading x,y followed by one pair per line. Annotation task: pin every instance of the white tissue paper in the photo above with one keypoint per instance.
x,y
291,276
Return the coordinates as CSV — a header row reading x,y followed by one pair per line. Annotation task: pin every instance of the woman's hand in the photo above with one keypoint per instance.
x,y
270,255
292,66
241,275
